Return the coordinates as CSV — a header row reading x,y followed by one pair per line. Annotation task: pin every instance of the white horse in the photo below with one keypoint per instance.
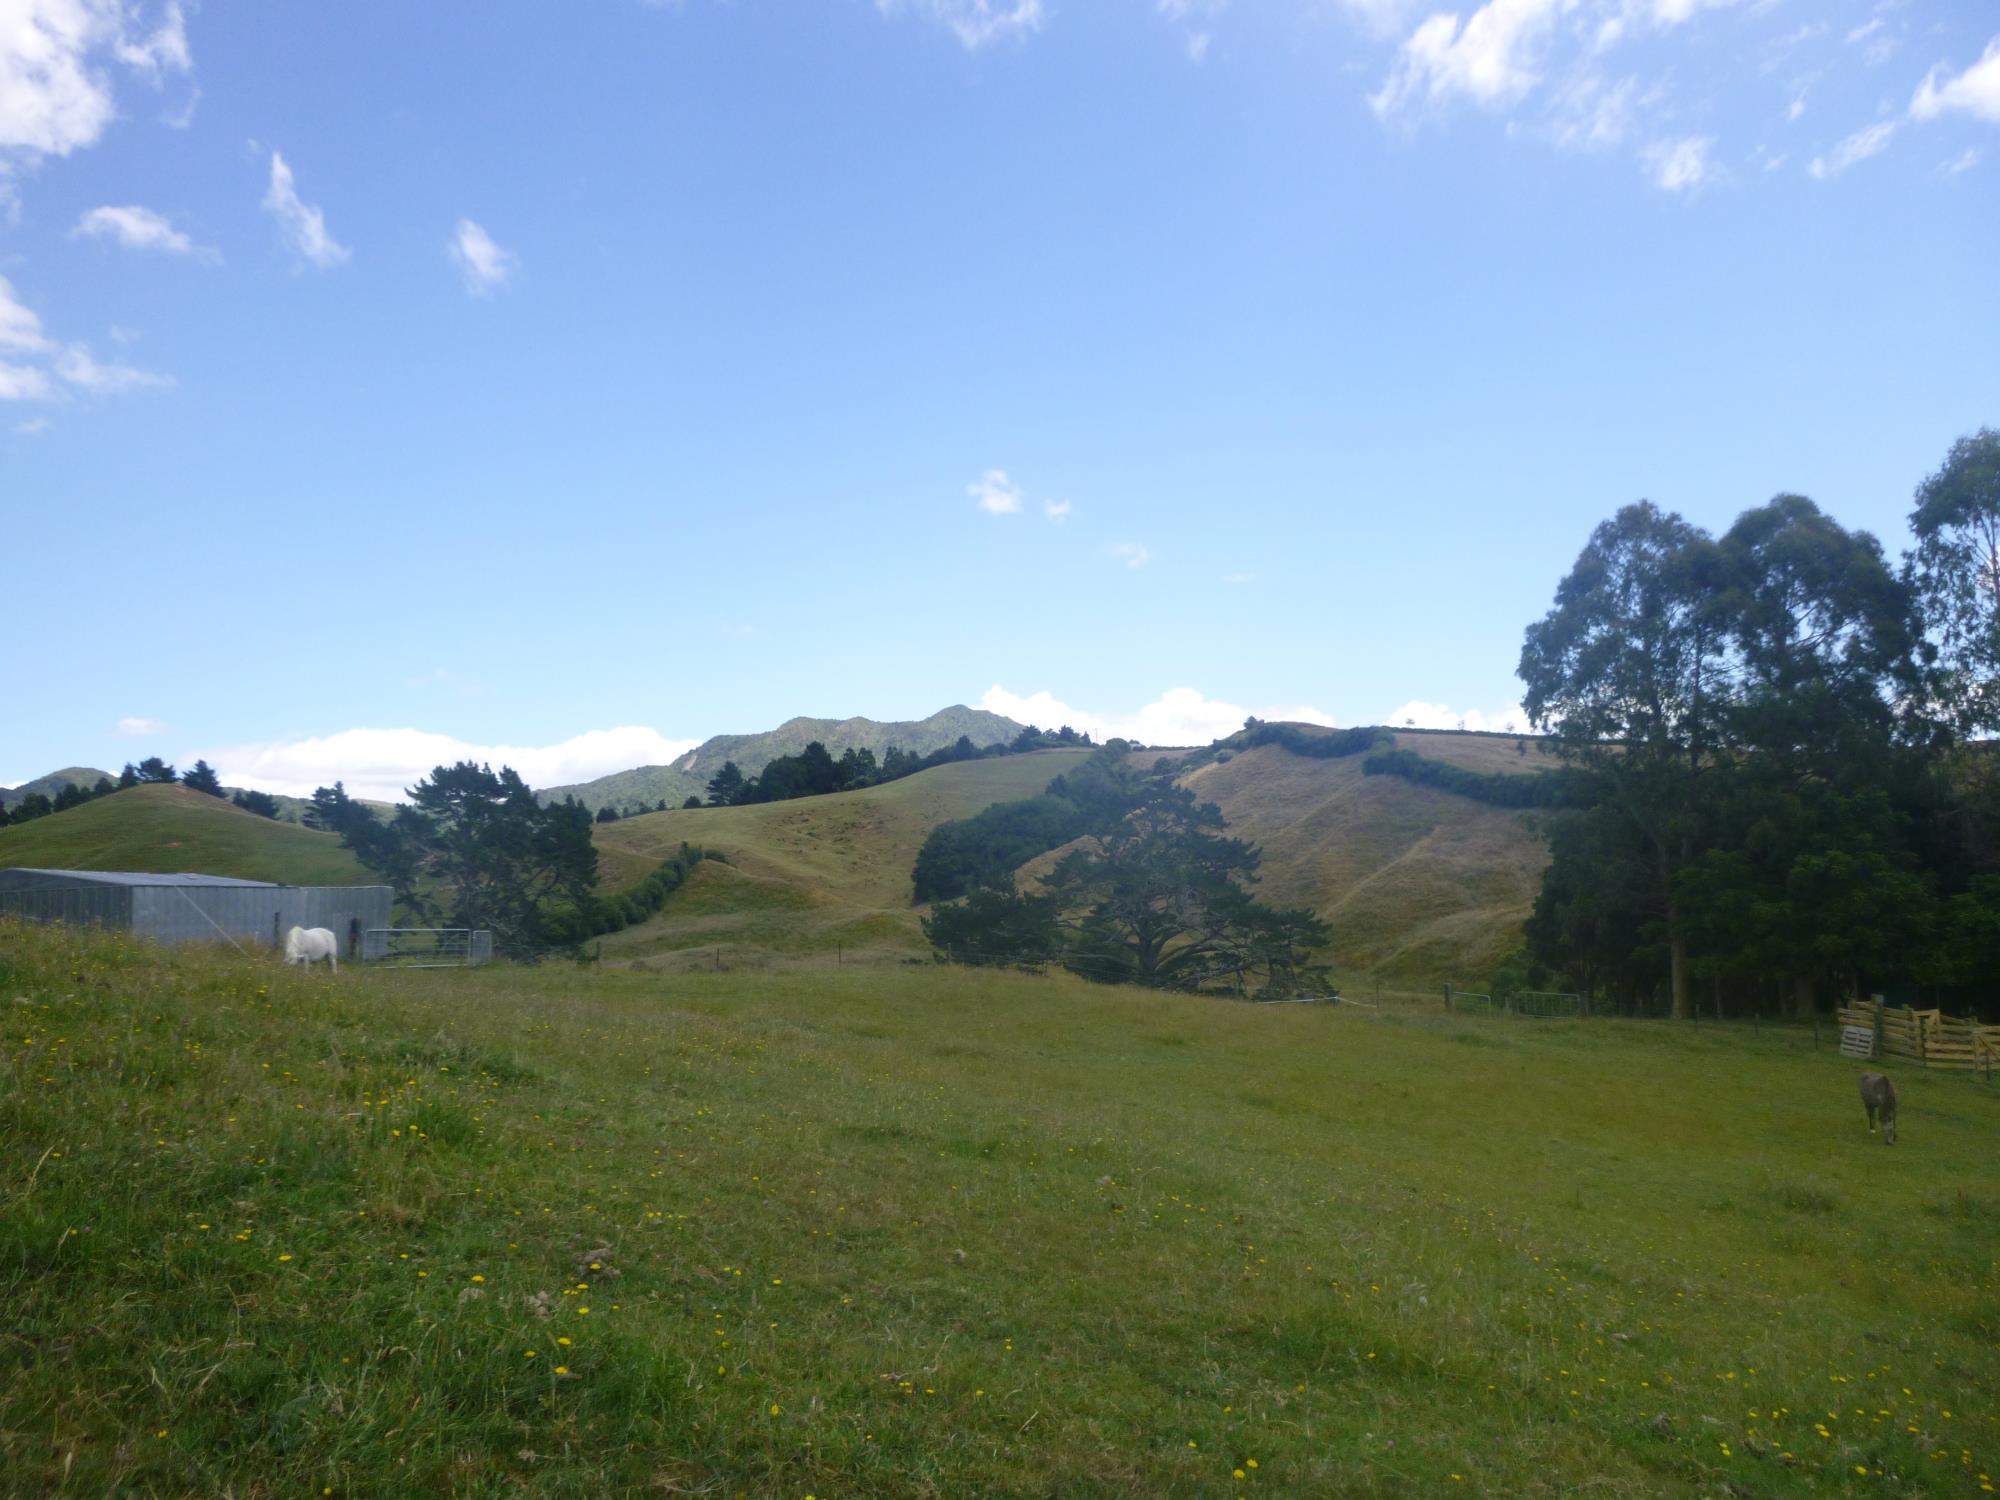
x,y
305,945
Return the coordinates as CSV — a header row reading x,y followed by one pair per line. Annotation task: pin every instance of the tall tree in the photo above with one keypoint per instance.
x,y
1627,674
263,804
1955,569
1158,892
726,785
153,769
474,848
201,777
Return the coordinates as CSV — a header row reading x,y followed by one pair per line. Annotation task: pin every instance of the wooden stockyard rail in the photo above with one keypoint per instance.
x,y
1933,1038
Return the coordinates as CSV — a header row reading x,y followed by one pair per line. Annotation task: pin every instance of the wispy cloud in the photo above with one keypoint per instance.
x,y
33,427
303,224
1975,92
76,366
35,367
994,493
137,228
138,728
484,265
382,763
1057,510
975,22
1132,554
1965,161
1858,147
1684,165
1179,716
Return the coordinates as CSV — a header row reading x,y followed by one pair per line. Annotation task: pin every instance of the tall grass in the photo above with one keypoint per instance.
x,y
913,1232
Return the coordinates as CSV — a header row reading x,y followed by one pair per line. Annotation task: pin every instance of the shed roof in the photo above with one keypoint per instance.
x,y
139,877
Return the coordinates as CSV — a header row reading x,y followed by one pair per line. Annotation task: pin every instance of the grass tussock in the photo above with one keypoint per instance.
x,y
919,1232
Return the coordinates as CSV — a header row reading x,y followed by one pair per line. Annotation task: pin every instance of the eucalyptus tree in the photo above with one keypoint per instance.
x,y
1955,569
1628,673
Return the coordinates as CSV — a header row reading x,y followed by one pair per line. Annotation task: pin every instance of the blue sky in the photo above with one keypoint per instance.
x,y
571,383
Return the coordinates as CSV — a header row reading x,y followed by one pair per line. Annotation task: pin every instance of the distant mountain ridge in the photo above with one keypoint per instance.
x,y
85,777
647,786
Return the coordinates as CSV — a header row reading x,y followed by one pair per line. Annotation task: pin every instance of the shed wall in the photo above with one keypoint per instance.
x,y
189,914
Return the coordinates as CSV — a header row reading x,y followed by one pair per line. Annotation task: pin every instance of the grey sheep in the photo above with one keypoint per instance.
x,y
1878,1097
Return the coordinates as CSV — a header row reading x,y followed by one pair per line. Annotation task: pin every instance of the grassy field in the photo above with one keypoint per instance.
x,y
916,1232
169,828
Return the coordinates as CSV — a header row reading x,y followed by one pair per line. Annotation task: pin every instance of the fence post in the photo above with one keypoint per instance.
x,y
1878,1024
1447,995
1923,1046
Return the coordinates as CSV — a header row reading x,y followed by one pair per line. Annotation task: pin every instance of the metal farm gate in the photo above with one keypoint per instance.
x,y
427,947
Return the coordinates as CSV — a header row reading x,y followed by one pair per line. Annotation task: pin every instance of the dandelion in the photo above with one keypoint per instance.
x,y
774,1408
284,1257
562,1369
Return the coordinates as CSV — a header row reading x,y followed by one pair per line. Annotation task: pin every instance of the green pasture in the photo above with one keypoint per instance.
x,y
165,829
913,1231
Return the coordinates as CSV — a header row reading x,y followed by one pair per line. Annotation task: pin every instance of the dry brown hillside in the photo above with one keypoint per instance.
x,y
1419,885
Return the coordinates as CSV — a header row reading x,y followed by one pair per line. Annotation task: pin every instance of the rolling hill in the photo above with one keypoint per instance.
x,y
55,781
644,786
810,876
165,829
1419,885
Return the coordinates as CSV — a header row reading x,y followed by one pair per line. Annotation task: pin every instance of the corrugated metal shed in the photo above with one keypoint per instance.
x,y
190,907
138,877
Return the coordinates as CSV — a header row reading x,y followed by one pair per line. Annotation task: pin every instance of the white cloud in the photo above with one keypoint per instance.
x,y
136,229
55,94
1057,510
1856,148
483,264
1683,165
1239,578
24,383
995,493
1132,554
1179,716
303,223
1592,113
382,763
1441,716
21,336
1492,59
137,728
975,22
33,427
1797,108
76,366
166,50
20,327
1965,161
1975,92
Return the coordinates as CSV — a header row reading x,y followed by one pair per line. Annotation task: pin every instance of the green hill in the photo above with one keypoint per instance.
x,y
81,776
164,829
807,876
1419,885
646,786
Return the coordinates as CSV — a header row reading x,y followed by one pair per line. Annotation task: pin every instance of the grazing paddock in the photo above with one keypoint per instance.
x,y
910,1231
